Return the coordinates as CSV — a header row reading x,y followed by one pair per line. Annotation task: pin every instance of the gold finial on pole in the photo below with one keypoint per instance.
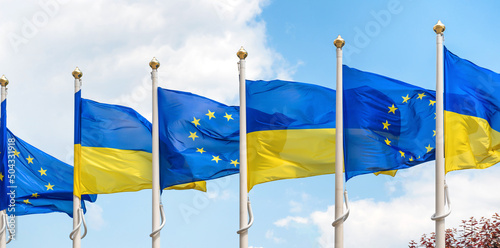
x,y
154,64
242,53
77,74
339,42
4,81
439,27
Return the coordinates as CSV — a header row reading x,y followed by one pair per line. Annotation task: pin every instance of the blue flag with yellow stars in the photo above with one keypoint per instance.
x,y
37,182
199,138
388,125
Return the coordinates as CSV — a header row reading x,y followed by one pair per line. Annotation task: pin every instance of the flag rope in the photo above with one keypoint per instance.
x,y
163,221
250,216
344,217
448,203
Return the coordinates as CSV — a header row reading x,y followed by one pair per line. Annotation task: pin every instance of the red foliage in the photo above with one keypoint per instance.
x,y
472,233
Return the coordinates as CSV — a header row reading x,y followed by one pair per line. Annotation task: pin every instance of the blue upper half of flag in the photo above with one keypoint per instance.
x,y
388,124
199,138
38,182
471,90
114,126
4,201
281,105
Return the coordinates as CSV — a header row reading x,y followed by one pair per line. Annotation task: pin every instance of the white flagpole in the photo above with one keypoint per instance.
x,y
440,168
242,54
154,64
339,149
77,238
3,236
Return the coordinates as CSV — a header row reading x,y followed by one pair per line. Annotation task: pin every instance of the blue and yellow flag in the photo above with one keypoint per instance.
x,y
472,114
38,182
291,130
113,146
388,124
4,166
199,138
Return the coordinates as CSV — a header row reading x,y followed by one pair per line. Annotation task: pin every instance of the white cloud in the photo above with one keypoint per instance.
x,y
395,222
112,42
94,216
290,219
270,235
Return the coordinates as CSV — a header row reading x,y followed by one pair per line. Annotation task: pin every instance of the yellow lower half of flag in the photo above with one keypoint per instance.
x,y
294,153
470,142
391,173
101,170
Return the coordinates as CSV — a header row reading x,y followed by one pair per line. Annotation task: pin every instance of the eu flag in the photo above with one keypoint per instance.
x,y
388,124
472,114
39,183
199,138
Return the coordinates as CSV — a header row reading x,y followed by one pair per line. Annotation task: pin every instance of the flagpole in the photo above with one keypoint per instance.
x,y
339,149
242,54
154,64
3,237
440,167
77,238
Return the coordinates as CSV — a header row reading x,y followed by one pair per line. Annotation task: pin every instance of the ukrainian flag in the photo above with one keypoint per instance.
x,y
291,130
113,146
472,114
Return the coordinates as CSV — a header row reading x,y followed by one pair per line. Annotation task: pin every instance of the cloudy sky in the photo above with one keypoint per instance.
x,y
112,42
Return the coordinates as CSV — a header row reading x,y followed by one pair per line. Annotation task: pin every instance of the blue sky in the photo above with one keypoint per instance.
x,y
196,43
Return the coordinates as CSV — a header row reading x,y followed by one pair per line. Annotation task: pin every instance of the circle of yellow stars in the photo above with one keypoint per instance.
x,y
194,135
392,109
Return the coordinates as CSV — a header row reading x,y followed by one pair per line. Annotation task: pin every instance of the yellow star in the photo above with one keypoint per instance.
x,y
435,115
16,153
420,96
434,133
200,150
235,162
392,109
406,98
386,124
49,186
42,171
210,115
27,201
228,117
387,141
429,148
216,158
431,102
30,159
402,154
193,135
1,176
411,159
196,122
34,195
